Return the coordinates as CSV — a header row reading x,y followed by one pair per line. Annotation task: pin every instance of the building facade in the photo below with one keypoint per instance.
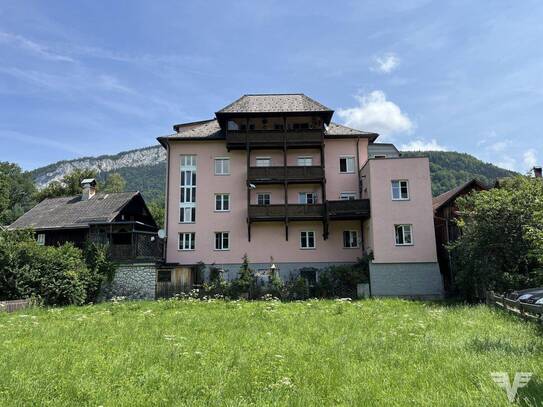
x,y
271,176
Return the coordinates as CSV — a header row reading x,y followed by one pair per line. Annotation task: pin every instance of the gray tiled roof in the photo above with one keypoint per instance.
x,y
70,212
210,129
206,128
334,129
271,103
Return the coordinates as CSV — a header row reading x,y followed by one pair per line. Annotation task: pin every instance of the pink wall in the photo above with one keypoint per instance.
x,y
208,221
385,213
335,181
292,156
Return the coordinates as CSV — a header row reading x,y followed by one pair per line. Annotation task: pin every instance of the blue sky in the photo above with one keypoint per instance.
x,y
98,77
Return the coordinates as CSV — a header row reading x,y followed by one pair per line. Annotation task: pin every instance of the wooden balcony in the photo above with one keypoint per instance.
x,y
278,175
236,139
143,247
280,212
348,209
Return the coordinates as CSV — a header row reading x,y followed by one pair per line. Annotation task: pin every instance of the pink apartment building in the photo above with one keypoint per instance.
x,y
272,176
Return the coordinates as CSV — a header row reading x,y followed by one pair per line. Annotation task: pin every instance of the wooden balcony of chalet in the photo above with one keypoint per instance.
x,y
280,212
348,209
239,139
333,210
292,174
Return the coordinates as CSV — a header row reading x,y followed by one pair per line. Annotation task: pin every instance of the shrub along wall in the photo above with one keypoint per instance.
x,y
331,282
52,275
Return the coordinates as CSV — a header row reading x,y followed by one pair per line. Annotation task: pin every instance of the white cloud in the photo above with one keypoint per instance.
x,y
529,158
507,162
375,113
499,145
29,45
385,63
422,145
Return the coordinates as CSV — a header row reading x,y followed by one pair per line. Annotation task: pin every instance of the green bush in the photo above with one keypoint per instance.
x,y
99,269
341,281
54,275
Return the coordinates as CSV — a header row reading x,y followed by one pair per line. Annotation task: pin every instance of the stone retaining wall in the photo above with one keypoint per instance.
x,y
135,281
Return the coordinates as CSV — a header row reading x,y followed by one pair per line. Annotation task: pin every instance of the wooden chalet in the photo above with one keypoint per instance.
x,y
120,220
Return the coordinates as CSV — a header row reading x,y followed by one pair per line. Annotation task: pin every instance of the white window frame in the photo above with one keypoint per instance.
x,y
187,188
352,233
302,198
403,226
347,196
222,248
307,234
186,241
222,201
268,159
40,239
259,194
348,158
396,184
303,161
223,169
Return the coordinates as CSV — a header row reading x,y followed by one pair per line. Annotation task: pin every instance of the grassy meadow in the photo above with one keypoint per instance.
x,y
375,352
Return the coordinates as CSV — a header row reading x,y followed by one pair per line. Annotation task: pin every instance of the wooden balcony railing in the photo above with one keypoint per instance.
x,y
279,212
269,175
144,246
273,138
349,209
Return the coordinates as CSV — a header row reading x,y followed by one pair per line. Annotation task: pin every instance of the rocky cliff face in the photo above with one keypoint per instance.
x,y
144,157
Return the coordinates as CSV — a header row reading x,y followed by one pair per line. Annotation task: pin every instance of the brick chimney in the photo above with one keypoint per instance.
x,y
537,172
89,188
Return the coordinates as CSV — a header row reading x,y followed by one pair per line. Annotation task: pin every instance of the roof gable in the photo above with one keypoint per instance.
x,y
446,197
73,212
275,103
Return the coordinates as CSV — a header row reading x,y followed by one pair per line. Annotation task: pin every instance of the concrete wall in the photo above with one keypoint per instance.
x,y
413,280
134,281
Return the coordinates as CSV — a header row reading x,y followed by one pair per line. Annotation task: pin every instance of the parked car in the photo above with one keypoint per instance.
x,y
522,295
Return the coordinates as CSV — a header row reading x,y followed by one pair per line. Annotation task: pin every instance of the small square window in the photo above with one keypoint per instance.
x,y
222,240
346,165
263,198
308,198
404,235
263,161
347,196
187,214
350,239
222,166
305,161
307,240
186,241
164,276
400,190
222,202
40,238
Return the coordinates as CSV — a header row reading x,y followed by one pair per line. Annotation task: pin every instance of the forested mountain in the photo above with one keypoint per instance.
x,y
145,170
450,169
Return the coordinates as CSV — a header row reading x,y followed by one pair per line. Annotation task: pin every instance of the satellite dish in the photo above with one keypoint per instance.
x,y
162,233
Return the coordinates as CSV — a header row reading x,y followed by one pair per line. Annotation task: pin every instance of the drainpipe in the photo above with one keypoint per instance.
x,y
165,249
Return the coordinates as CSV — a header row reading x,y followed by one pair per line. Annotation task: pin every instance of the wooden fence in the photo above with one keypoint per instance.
x,y
10,306
526,311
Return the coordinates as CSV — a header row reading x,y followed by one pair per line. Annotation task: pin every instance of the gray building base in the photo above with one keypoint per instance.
x,y
409,280
286,270
135,281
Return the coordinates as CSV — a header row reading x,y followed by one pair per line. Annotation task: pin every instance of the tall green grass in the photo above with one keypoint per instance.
x,y
367,353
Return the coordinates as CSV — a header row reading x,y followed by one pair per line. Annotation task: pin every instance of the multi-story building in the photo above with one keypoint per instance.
x,y
273,177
